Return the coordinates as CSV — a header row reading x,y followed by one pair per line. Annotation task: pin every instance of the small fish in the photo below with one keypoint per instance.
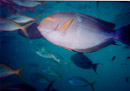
x,y
80,32
7,71
20,18
128,57
26,3
51,71
39,78
10,25
79,81
44,53
82,61
127,79
113,58
47,54
18,87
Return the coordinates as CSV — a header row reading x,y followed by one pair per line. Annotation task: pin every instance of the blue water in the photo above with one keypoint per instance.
x,y
18,51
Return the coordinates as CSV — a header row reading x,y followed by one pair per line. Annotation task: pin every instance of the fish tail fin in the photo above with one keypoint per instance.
x,y
123,34
17,72
23,28
35,18
94,66
92,85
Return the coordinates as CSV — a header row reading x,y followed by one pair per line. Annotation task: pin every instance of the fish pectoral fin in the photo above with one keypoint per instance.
x,y
65,25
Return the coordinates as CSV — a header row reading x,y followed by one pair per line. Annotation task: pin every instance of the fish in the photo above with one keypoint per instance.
x,y
6,71
82,61
81,33
18,87
127,79
58,60
113,58
10,25
44,53
32,32
51,71
26,3
128,57
79,81
21,18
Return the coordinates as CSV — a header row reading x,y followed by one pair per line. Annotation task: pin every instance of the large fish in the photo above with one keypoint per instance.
x,y
80,32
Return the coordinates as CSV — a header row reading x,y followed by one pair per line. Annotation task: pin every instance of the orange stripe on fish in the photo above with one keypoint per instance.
x,y
50,19
65,25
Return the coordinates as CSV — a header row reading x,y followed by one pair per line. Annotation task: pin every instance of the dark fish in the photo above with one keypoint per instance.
x,y
83,62
18,87
128,57
32,31
113,58
127,79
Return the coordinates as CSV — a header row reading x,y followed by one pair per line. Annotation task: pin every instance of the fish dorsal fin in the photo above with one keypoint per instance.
x,y
105,24
65,25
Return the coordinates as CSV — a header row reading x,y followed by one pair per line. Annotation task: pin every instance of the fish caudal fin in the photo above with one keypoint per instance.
x,y
94,66
17,72
123,34
92,85
23,28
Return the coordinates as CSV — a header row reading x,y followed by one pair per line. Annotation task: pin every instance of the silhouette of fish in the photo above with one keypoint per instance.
x,y
82,61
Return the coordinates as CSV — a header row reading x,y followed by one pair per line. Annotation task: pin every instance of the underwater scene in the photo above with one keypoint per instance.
x,y
64,45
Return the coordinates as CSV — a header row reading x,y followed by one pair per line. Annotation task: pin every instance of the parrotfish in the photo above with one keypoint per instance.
x,y
80,32
7,71
10,25
20,18
79,81
82,61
